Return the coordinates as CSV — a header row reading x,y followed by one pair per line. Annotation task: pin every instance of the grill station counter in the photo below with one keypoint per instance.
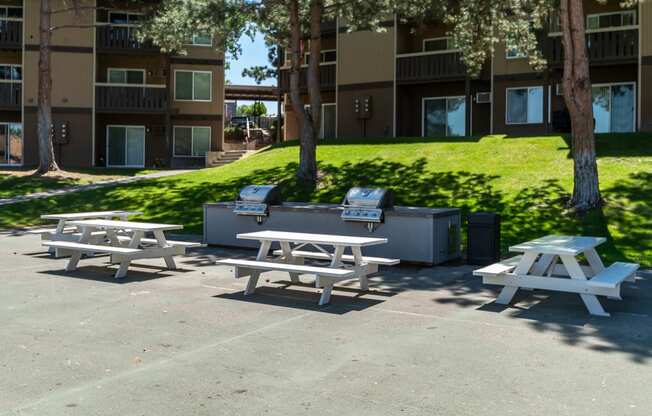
x,y
418,235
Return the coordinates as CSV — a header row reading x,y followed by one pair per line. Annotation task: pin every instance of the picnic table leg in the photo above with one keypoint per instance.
x,y
61,226
253,279
287,253
575,272
162,242
327,288
360,266
507,293
76,255
325,297
124,260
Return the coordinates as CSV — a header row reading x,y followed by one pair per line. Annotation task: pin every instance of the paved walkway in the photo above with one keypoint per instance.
x,y
95,185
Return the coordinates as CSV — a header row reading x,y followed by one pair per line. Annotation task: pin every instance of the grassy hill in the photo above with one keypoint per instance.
x,y
526,180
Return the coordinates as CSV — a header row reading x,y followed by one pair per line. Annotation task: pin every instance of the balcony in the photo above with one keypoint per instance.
x,y
122,98
604,47
326,78
425,67
11,96
122,39
11,34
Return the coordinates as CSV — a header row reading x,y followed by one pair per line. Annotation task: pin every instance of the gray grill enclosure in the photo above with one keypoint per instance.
x,y
366,205
254,200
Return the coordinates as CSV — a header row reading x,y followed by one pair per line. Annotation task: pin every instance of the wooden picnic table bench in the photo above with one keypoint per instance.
x,y
291,259
126,242
550,263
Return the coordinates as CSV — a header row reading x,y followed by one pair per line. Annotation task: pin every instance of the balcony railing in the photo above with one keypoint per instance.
x,y
11,95
115,98
429,67
122,39
604,47
11,34
326,78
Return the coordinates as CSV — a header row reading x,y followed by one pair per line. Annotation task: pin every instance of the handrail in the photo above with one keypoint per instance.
x,y
114,84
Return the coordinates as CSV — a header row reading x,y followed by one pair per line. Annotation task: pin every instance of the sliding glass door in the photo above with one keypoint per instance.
x,y
126,146
444,117
614,108
11,144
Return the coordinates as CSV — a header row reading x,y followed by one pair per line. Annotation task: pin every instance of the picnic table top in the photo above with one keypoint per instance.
x,y
87,215
559,245
329,239
120,225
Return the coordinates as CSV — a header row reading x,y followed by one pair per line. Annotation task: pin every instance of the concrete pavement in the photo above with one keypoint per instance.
x,y
424,341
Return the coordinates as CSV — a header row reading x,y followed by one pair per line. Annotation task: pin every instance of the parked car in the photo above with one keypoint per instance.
x,y
241,122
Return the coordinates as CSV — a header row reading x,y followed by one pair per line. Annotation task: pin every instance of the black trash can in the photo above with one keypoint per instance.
x,y
483,238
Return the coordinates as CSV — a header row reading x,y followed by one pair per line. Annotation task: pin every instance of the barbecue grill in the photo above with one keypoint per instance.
x,y
367,205
254,200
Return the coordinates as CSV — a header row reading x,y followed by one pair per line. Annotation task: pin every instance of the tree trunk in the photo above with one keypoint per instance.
x,y
578,98
307,171
47,161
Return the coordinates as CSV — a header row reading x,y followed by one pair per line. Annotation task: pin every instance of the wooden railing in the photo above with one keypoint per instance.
x,y
326,78
11,34
429,66
122,39
11,95
132,98
604,47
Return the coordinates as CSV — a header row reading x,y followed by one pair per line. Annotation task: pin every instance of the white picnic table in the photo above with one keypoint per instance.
x,y
64,231
126,242
552,263
290,258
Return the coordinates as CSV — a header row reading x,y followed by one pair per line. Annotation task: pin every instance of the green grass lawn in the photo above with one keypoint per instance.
x,y
14,183
526,180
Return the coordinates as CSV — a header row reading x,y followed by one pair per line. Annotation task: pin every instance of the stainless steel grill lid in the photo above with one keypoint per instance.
x,y
366,204
256,199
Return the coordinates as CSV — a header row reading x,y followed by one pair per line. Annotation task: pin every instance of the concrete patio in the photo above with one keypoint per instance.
x,y
424,341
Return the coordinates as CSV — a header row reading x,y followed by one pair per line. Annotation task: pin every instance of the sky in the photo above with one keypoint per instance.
x,y
253,53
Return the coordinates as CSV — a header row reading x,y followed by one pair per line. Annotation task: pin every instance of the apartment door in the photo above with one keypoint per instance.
x,y
328,116
11,144
444,117
614,108
126,146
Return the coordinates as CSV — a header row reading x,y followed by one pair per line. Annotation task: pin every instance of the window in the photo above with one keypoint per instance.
x,y
11,73
11,13
11,144
438,44
125,76
524,105
125,18
192,141
327,56
444,117
607,20
328,126
202,40
125,146
515,53
192,85
614,107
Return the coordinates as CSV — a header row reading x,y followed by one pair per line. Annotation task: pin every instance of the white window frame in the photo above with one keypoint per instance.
x,y
614,84
192,137
321,121
447,50
322,53
22,144
125,126
12,81
203,45
12,19
622,13
528,88
210,89
108,78
423,112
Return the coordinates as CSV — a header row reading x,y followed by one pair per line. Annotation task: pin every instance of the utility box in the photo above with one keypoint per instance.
x,y
483,238
362,107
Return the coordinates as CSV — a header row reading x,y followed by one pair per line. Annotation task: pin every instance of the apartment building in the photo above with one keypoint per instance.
x,y
409,81
117,102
